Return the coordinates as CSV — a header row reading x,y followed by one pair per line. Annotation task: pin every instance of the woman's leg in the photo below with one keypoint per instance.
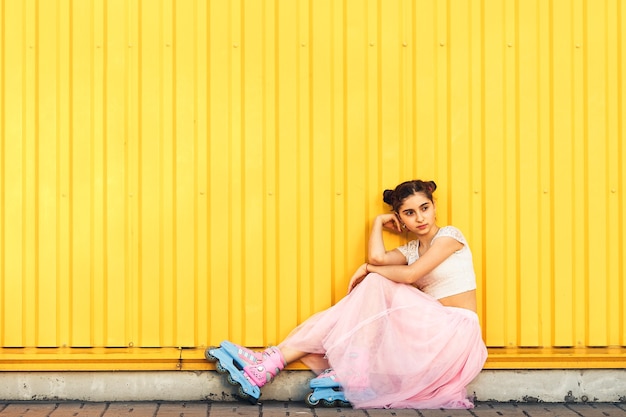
x,y
291,355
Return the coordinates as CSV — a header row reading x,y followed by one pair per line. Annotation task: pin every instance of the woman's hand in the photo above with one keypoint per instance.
x,y
376,252
358,276
390,222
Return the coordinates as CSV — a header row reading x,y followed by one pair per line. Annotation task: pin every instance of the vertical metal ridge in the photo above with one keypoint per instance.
x,y
88,338
61,163
275,153
483,182
297,157
105,171
36,48
583,321
209,195
445,171
240,135
580,283
193,334
611,241
410,73
309,44
373,143
70,183
24,185
57,180
331,184
607,175
265,198
239,20
621,18
344,124
129,192
546,83
3,131
174,157
544,326
140,188
520,319
436,86
404,17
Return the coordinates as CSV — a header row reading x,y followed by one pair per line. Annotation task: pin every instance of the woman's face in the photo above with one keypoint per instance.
x,y
417,212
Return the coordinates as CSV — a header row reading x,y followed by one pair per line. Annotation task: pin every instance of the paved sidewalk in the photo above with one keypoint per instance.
x,y
293,409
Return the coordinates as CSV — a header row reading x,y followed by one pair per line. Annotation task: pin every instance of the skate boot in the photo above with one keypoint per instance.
x,y
327,390
246,369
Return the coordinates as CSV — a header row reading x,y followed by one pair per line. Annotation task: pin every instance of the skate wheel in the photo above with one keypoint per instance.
x,y
329,404
246,397
242,394
232,382
220,368
309,401
208,356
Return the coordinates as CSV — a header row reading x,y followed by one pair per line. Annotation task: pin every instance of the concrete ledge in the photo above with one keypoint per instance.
x,y
570,385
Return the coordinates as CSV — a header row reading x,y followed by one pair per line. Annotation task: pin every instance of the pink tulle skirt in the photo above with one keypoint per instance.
x,y
394,346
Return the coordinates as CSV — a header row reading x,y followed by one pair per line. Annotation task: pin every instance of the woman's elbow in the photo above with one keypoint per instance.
x,y
409,281
376,260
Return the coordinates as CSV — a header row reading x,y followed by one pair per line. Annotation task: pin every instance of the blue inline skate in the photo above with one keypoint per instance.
x,y
246,369
327,390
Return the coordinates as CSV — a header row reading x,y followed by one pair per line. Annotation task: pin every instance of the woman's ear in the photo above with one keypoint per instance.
x,y
400,220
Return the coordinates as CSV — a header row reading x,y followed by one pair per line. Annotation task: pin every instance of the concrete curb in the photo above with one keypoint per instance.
x,y
570,385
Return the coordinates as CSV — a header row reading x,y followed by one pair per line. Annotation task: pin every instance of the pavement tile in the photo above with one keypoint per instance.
x,y
234,409
383,412
501,409
338,412
76,409
284,409
183,409
139,409
599,410
28,409
277,409
445,413
548,410
299,409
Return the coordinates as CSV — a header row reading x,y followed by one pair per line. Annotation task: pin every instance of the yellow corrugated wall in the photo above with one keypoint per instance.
x,y
178,172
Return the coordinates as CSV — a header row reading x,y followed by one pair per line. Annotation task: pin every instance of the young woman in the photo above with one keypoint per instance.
x,y
406,335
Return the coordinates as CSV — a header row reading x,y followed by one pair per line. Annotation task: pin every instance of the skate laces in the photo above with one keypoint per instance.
x,y
327,379
328,374
249,356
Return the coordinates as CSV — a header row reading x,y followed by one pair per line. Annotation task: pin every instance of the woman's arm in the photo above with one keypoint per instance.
x,y
440,250
377,254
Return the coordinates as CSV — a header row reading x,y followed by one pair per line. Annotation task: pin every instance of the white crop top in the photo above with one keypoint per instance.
x,y
453,276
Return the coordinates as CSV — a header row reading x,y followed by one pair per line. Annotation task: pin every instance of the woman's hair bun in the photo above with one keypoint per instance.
x,y
388,197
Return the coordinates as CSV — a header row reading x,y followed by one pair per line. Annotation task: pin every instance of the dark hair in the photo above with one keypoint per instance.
x,y
396,197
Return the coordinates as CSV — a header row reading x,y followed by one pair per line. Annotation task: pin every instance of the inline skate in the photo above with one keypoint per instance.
x,y
246,369
327,390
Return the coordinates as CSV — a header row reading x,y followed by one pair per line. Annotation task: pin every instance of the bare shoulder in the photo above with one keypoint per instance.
x,y
447,243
